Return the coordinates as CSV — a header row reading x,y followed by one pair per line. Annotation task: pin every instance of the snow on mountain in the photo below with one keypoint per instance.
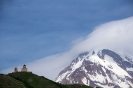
x,y
105,68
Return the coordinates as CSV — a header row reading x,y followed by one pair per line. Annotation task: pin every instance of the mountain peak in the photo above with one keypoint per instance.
x,y
99,67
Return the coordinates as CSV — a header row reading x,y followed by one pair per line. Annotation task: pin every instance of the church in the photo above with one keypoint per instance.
x,y
24,69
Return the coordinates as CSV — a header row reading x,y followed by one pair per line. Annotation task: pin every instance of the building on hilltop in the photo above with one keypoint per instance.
x,y
15,69
24,69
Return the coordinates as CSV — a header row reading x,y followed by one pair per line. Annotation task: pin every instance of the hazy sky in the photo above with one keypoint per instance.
x,y
34,29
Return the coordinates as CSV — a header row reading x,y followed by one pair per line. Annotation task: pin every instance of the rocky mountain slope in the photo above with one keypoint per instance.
x,y
105,68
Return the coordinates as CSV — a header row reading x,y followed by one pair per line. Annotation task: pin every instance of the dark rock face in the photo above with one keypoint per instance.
x,y
119,60
104,68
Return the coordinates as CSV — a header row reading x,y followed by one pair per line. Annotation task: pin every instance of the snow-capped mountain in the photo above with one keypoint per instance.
x,y
105,68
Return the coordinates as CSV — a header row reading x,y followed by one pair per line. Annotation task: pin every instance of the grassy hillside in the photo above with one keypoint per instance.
x,y
30,80
9,82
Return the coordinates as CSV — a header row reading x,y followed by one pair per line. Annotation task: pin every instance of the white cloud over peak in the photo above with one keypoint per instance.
x,y
114,35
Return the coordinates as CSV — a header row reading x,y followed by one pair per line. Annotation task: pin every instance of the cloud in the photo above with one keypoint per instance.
x,y
115,35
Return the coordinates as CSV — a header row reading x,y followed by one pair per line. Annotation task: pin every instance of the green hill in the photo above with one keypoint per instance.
x,y
30,80
10,82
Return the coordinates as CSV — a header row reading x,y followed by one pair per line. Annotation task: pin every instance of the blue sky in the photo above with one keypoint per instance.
x,y
33,29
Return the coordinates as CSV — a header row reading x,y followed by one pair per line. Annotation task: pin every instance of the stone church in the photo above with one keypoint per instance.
x,y
24,69
15,69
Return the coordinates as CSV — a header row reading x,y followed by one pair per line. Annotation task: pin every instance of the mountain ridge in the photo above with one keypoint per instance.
x,y
105,68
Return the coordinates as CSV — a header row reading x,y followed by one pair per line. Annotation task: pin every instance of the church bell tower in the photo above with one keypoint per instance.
x,y
24,69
